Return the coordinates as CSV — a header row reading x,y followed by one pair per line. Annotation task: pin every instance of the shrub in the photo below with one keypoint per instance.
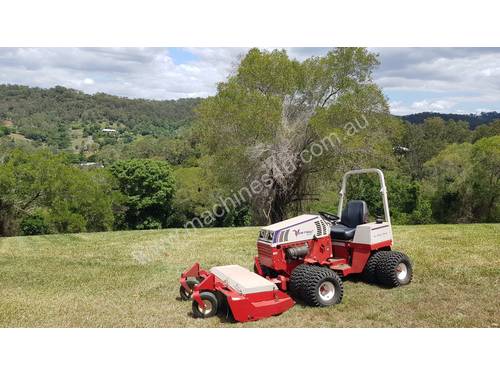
x,y
33,225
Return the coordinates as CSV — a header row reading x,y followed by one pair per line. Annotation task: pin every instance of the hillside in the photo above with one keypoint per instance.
x,y
70,119
130,279
474,120
50,115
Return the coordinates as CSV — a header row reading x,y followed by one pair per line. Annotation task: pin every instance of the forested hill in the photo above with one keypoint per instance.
x,y
72,162
39,114
474,120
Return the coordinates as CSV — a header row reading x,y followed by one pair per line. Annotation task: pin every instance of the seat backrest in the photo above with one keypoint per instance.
x,y
354,214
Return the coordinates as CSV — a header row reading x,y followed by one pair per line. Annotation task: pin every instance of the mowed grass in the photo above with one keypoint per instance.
x,y
130,279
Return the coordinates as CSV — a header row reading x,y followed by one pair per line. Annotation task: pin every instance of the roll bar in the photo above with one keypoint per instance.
x,y
383,189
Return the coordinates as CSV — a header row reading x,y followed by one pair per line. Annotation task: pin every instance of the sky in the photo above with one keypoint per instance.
x,y
447,80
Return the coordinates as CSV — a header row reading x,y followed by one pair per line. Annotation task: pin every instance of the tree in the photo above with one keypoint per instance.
x,y
486,130
43,185
403,195
4,130
148,186
463,182
34,224
446,183
426,140
274,109
485,178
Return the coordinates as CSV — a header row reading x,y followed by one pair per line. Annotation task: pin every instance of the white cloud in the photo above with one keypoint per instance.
x,y
438,105
400,108
450,79
415,79
134,72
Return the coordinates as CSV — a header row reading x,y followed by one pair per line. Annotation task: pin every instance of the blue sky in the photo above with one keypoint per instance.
x,y
451,80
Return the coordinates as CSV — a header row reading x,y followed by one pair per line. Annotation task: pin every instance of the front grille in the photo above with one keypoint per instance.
x,y
265,251
320,228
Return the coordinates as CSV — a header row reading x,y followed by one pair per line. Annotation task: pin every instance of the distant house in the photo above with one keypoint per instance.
x,y
91,165
108,130
401,149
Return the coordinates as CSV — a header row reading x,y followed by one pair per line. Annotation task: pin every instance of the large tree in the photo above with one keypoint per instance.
x,y
46,186
463,182
426,140
148,186
273,122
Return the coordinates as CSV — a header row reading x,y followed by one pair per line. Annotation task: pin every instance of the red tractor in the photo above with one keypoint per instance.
x,y
306,256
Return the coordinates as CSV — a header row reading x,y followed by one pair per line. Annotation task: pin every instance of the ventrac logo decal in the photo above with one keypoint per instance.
x,y
299,232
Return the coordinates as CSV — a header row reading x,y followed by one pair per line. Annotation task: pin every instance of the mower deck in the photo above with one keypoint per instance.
x,y
242,280
248,295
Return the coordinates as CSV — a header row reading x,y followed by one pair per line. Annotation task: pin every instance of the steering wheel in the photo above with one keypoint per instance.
x,y
329,216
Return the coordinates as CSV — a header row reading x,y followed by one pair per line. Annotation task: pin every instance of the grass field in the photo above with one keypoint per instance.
x,y
130,279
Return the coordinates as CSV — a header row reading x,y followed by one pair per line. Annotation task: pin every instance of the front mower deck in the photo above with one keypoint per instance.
x,y
242,280
248,295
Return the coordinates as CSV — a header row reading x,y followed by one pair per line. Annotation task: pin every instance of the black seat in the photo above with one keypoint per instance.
x,y
354,214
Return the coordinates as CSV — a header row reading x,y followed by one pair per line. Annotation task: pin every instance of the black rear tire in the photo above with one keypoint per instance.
x,y
370,272
394,269
322,287
211,309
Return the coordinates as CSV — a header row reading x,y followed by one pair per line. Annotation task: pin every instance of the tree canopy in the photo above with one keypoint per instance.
x,y
148,187
48,187
273,109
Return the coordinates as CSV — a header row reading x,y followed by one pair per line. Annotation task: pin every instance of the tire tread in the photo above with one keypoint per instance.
x,y
386,267
370,272
313,277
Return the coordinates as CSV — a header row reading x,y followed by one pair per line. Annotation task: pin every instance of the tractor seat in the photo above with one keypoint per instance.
x,y
356,213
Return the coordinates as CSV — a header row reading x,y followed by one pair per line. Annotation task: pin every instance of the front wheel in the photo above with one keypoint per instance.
x,y
322,287
211,306
186,294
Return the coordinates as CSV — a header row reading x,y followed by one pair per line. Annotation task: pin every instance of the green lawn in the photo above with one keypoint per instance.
x,y
130,279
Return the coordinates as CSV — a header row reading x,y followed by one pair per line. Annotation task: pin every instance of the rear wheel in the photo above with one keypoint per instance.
x,y
370,271
211,306
394,269
322,287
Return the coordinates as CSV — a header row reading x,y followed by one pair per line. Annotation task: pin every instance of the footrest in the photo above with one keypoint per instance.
x,y
340,267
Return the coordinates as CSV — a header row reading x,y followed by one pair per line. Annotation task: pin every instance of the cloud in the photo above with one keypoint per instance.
x,y
450,79
438,105
399,108
133,72
413,79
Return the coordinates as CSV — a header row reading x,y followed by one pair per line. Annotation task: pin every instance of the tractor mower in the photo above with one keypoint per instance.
x,y
305,257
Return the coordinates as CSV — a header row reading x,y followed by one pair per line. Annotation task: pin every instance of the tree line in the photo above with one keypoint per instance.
x,y
266,115
473,119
